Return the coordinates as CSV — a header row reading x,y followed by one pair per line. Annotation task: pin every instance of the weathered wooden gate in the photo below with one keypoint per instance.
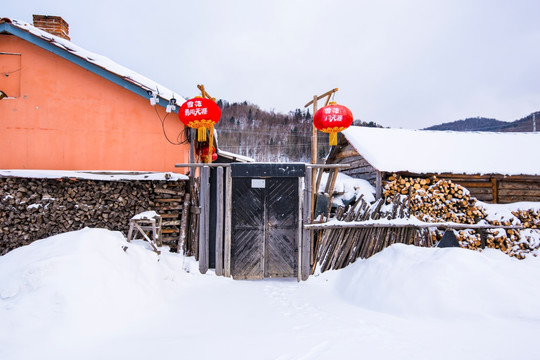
x,y
265,220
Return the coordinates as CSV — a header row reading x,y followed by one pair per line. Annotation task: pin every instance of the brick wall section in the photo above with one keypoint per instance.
x,y
32,209
52,24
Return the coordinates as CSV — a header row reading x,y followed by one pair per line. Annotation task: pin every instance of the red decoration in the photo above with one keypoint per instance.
x,y
203,152
332,119
200,113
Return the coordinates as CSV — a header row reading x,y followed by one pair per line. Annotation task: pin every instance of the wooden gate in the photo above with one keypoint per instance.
x,y
265,226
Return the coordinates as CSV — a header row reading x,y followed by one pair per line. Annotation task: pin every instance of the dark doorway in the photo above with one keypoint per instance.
x,y
265,225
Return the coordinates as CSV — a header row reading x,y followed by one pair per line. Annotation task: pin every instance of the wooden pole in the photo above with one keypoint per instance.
x,y
210,145
183,225
378,185
314,136
314,157
300,231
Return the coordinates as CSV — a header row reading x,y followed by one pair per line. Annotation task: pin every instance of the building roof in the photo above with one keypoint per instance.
x,y
427,152
93,62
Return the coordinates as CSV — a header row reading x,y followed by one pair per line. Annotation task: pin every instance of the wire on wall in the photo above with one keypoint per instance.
x,y
180,140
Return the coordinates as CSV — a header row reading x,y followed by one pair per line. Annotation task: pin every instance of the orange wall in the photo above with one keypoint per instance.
x,y
68,118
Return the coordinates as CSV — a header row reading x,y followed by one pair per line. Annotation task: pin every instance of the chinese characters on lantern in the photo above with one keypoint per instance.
x,y
194,108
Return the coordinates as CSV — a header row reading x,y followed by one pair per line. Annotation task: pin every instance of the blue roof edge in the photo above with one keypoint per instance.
x,y
8,28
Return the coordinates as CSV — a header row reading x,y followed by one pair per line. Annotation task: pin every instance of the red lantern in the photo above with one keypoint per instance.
x,y
333,119
200,113
203,152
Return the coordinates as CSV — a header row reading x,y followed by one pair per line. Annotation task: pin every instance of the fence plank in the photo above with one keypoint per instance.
x,y
307,235
228,211
204,223
219,222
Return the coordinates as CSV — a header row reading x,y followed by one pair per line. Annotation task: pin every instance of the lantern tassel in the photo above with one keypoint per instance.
x,y
333,139
201,134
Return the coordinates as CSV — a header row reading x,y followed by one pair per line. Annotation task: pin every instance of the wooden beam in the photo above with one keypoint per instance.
x,y
328,166
316,98
378,185
518,185
495,190
198,165
355,225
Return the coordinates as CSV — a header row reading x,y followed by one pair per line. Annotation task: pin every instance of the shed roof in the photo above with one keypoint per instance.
x,y
93,62
425,152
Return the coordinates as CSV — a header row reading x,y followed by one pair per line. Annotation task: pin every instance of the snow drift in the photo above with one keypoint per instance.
x,y
89,294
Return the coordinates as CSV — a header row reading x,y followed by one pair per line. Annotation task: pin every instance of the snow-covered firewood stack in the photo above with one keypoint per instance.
x,y
435,201
515,242
529,218
35,208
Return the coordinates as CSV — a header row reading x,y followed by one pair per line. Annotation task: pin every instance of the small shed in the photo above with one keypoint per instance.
x,y
495,167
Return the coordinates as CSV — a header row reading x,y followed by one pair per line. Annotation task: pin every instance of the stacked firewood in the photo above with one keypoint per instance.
x,y
434,200
32,209
530,219
514,242
510,241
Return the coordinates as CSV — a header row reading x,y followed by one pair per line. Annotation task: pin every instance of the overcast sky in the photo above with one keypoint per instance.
x,y
399,63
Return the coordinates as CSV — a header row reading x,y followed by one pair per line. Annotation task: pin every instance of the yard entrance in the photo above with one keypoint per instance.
x,y
265,227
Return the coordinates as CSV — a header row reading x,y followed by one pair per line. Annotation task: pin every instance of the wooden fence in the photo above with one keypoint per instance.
x,y
362,230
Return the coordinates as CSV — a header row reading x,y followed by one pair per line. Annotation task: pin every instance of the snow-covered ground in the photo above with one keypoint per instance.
x,y
91,295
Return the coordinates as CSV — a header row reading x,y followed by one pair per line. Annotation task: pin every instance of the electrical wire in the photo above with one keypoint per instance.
x,y
6,73
179,141
261,133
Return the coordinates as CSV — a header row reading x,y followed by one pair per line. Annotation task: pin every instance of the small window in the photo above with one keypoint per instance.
x,y
10,74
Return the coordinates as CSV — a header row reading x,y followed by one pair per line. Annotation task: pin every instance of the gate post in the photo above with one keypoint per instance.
x,y
306,234
204,223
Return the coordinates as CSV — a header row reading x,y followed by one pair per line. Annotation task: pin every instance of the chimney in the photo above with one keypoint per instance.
x,y
52,24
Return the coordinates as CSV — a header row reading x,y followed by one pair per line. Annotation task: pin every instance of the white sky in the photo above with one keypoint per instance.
x,y
399,63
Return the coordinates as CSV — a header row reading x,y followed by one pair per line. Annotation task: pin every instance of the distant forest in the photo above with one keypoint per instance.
x,y
524,124
268,136
246,129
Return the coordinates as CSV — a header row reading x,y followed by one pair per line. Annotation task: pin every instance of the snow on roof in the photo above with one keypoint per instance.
x,y
234,156
424,151
99,60
94,175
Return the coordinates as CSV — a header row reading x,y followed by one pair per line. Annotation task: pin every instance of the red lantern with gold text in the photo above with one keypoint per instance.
x,y
203,152
332,119
199,113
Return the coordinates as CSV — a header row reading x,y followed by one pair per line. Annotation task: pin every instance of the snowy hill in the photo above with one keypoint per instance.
x,y
524,124
91,295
